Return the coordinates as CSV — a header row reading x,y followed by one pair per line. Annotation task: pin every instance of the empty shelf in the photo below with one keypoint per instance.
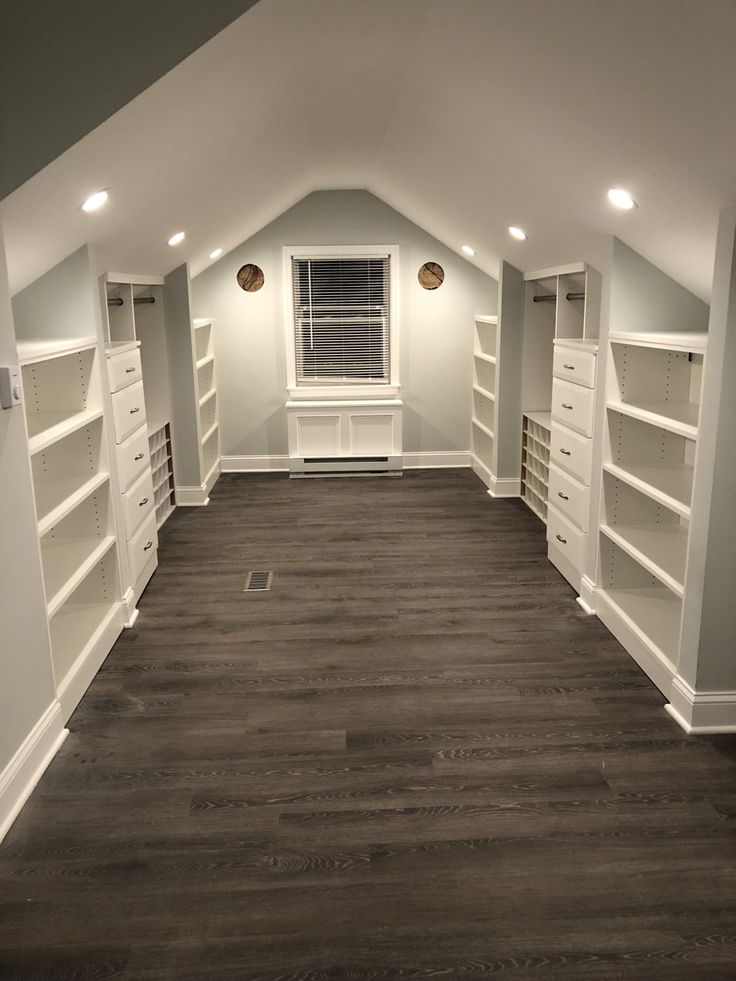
x,y
670,486
660,549
46,428
680,418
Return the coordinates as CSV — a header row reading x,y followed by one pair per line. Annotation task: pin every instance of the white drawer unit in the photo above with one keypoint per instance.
x,y
133,457
142,547
138,502
566,544
574,365
124,369
128,410
572,405
574,373
569,496
134,477
572,452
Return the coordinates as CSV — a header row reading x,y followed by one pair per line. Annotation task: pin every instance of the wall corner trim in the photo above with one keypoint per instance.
x,y
701,713
25,769
504,487
192,497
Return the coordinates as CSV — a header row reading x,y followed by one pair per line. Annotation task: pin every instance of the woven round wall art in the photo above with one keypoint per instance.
x,y
250,277
431,275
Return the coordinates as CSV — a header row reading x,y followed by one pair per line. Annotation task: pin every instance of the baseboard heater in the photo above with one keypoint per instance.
x,y
345,466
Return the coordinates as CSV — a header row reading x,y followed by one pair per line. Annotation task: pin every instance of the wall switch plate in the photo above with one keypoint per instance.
x,y
11,391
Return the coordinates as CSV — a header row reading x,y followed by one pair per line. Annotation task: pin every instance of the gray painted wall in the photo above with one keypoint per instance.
x,y
106,51
436,326
26,682
643,298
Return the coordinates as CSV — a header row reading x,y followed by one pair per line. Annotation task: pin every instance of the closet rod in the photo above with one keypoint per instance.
x,y
118,301
552,298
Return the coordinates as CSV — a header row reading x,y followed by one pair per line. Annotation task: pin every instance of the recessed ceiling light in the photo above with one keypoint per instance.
x,y
95,201
621,199
215,253
517,232
468,250
176,238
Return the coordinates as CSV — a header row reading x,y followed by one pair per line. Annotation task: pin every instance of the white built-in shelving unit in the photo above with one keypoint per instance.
x,y
485,364
206,389
77,535
159,444
653,394
535,462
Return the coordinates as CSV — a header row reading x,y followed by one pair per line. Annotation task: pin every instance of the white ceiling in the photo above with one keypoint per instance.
x,y
465,115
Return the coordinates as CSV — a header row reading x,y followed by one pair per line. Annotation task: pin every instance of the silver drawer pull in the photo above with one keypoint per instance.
x,y
561,539
138,457
144,501
566,405
570,367
147,546
136,408
132,368
565,452
563,496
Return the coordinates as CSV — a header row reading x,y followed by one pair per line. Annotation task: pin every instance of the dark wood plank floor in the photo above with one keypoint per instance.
x,y
414,758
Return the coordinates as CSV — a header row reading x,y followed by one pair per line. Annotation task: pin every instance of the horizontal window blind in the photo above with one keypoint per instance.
x,y
342,320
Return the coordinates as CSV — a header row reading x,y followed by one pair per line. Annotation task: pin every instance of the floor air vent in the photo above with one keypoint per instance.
x,y
258,582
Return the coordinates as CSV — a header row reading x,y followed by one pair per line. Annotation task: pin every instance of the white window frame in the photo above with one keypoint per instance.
x,y
297,391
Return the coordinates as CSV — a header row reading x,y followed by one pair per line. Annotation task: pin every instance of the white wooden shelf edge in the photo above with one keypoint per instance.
x,y
84,560
664,485
485,318
50,427
31,351
484,357
695,342
484,392
680,418
70,501
483,429
207,396
210,433
659,551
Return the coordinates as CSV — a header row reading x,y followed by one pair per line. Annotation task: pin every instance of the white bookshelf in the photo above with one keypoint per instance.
x,y
206,392
653,394
536,427
485,357
72,492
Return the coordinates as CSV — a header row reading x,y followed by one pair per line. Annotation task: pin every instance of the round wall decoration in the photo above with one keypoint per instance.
x,y
250,277
431,275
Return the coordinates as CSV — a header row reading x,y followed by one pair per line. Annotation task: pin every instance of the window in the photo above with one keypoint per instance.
x,y
342,319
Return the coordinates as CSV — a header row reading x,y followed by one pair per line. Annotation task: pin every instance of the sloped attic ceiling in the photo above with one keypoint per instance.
x,y
464,115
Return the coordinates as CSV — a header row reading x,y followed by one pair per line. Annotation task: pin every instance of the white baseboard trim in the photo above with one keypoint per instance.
x,y
657,668
701,713
212,477
436,459
26,768
191,497
504,487
480,469
586,599
255,464
130,610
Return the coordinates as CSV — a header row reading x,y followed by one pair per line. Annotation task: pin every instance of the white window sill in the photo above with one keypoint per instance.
x,y
341,393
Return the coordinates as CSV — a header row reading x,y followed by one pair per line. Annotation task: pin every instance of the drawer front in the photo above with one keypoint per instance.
x,y
565,537
138,503
572,405
569,496
128,411
133,457
574,366
124,370
142,546
572,452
